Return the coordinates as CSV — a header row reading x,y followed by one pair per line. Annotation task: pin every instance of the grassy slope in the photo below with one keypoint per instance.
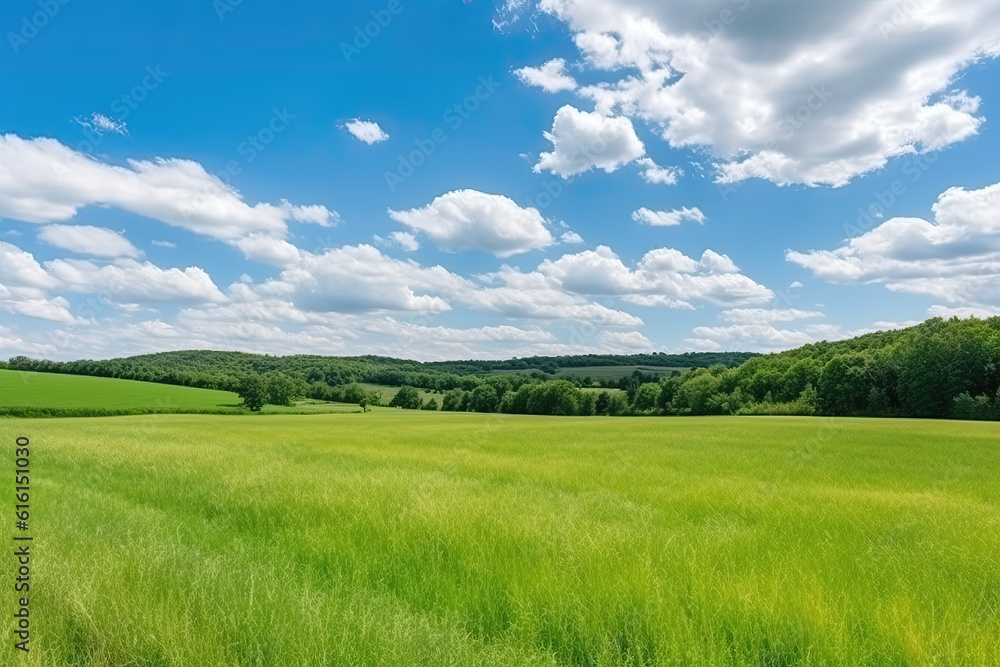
x,y
52,390
68,392
410,538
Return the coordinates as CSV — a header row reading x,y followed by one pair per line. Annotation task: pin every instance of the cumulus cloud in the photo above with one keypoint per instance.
x,y
654,174
87,240
129,280
361,279
268,249
535,296
955,259
621,342
550,77
44,181
791,92
582,141
367,131
761,337
670,218
473,220
767,315
571,237
18,268
405,240
663,277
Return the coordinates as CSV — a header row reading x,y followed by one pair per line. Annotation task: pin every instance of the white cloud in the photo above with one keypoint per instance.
x,y
52,310
571,237
814,93
654,174
361,279
963,312
87,240
473,220
535,296
405,240
44,181
268,249
621,342
366,130
100,124
132,281
669,218
164,244
760,337
550,77
582,141
955,259
663,277
18,268
767,315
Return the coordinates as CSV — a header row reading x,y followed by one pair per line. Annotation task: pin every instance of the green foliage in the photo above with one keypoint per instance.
x,y
646,397
916,372
253,392
407,398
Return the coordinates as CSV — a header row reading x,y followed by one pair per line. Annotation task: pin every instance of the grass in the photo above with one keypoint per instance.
x,y
409,538
54,390
24,393
389,393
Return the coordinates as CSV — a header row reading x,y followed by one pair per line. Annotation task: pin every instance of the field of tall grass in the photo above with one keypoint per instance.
x,y
412,538
28,394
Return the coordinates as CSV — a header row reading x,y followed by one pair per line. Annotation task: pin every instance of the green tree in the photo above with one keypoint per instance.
x,y
407,398
646,396
484,399
252,391
280,389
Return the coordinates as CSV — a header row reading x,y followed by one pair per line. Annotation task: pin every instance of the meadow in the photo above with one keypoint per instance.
x,y
413,538
72,395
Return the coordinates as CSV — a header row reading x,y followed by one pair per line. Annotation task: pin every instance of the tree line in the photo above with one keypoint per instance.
x,y
940,368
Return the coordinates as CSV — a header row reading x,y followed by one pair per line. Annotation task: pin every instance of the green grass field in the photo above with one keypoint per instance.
x,y
52,390
410,538
21,389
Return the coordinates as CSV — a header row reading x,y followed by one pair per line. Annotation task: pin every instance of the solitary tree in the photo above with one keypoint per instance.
x,y
251,390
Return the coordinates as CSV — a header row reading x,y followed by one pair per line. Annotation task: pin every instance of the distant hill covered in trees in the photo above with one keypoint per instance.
x,y
936,369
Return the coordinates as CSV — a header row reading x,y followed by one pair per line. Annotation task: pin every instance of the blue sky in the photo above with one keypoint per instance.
x,y
492,179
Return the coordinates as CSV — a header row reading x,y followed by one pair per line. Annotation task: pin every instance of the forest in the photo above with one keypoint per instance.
x,y
940,368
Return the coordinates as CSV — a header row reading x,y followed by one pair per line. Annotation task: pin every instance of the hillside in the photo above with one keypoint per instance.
x,y
935,369
28,389
225,370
